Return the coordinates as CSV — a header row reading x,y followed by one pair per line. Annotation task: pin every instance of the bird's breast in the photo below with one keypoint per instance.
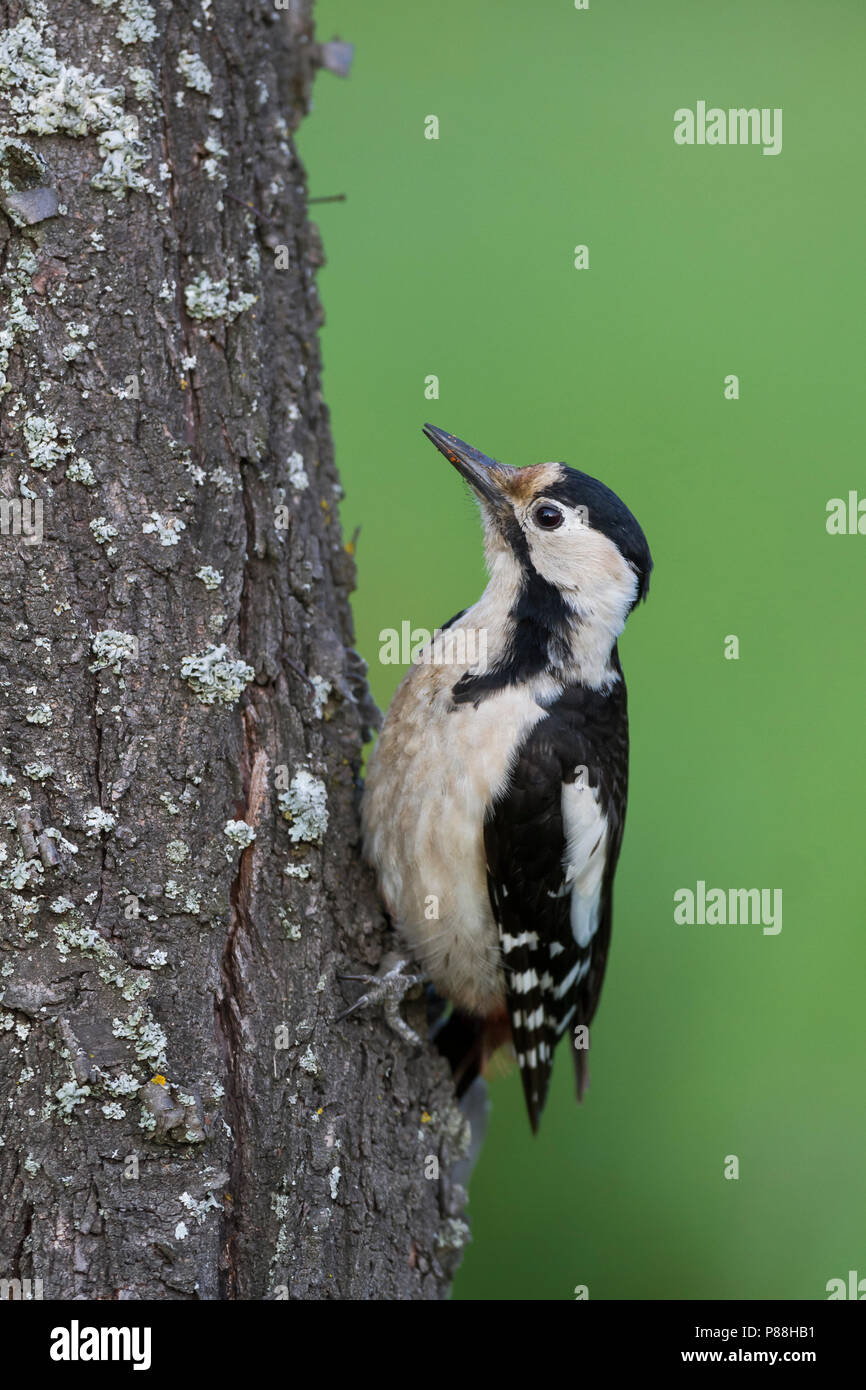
x,y
435,771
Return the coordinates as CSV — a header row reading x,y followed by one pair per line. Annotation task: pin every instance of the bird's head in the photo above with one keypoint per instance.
x,y
564,530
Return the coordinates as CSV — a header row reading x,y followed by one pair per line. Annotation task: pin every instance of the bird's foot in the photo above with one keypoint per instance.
x,y
387,989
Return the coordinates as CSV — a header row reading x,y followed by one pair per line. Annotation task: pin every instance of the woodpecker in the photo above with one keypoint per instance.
x,y
495,798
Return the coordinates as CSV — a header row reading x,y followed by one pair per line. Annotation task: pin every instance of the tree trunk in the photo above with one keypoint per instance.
x,y
181,1116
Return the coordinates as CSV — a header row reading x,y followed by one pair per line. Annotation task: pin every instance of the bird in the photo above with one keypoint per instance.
x,y
495,797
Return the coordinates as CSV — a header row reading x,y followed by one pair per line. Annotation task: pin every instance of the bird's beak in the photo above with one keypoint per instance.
x,y
484,475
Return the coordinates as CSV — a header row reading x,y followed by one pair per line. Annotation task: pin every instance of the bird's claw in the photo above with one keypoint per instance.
x,y
387,988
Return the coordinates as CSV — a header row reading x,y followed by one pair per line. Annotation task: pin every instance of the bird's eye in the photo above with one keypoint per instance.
x,y
548,517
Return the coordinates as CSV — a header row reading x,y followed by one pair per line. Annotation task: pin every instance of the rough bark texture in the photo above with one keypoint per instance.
x,y
162,402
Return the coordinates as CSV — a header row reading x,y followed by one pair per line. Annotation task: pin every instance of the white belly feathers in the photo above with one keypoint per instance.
x,y
423,819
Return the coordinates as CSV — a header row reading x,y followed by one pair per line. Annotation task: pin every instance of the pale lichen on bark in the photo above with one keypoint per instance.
x,y
181,1119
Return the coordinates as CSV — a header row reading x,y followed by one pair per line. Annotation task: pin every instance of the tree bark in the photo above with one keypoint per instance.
x,y
181,1116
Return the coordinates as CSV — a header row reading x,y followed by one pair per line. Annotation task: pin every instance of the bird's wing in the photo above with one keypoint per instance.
x,y
552,840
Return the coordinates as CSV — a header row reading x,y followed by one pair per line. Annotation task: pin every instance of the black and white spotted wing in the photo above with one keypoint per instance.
x,y
551,858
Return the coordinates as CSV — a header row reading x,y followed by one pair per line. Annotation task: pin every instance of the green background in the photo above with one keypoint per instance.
x,y
454,257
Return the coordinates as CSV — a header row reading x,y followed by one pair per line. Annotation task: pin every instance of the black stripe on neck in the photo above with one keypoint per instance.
x,y
539,636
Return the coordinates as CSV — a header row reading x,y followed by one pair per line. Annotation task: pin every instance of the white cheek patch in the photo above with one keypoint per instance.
x,y
597,583
544,546
575,541
585,856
